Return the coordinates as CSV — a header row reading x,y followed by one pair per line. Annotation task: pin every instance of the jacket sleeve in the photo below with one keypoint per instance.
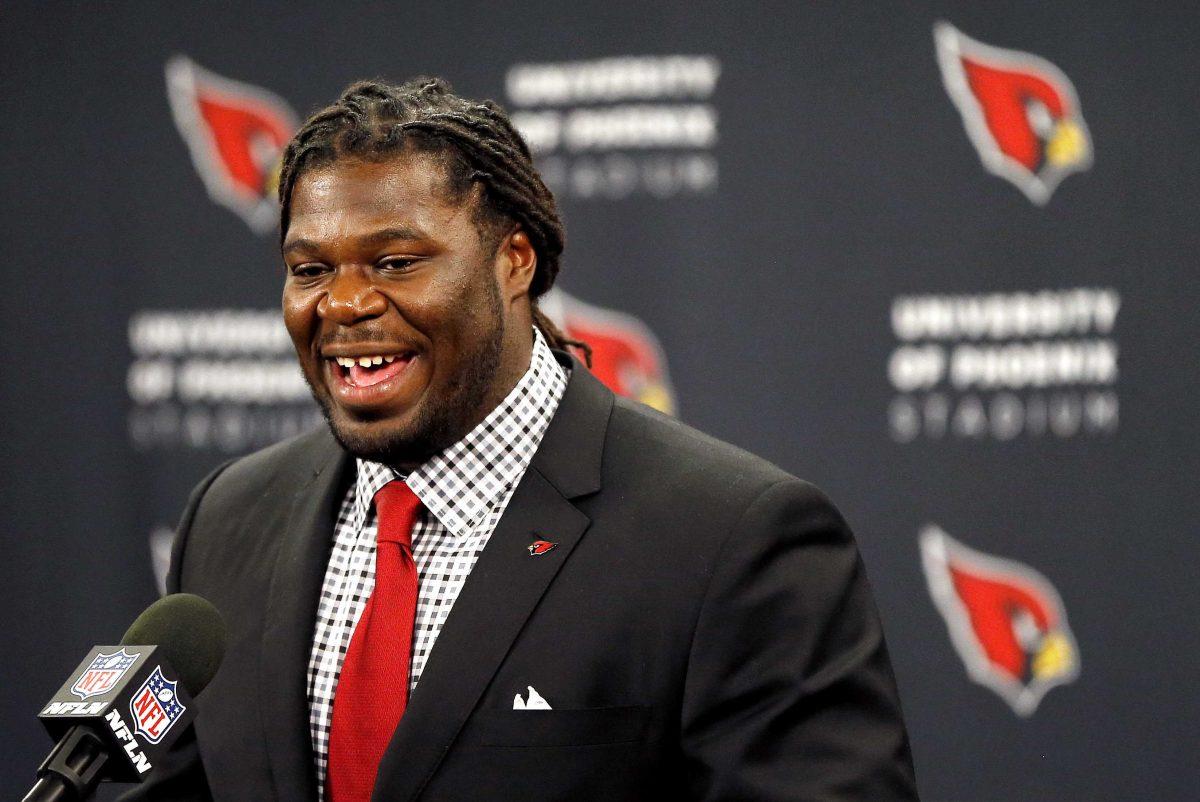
x,y
179,776
789,692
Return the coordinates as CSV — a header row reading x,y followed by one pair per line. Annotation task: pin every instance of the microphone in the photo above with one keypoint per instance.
x,y
123,707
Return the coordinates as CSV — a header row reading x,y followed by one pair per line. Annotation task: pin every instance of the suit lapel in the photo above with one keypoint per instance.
x,y
291,610
503,589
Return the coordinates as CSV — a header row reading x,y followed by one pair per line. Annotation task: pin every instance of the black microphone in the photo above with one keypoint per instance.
x,y
123,707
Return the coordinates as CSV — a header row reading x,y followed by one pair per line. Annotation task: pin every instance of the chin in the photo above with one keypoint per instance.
x,y
389,442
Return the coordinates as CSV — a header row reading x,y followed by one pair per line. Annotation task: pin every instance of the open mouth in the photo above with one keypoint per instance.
x,y
369,370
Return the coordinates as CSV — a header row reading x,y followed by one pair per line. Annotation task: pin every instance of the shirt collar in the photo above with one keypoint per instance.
x,y
461,484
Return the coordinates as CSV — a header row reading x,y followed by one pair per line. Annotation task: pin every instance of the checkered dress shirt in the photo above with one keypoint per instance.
x,y
464,489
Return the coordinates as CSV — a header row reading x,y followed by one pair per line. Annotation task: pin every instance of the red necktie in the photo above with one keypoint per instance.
x,y
372,690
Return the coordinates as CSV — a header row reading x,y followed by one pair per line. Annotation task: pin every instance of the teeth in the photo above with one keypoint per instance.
x,y
364,361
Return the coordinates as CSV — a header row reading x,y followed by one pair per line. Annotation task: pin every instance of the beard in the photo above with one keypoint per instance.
x,y
440,421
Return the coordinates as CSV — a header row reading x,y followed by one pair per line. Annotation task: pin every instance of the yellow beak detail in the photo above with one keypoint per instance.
x,y
272,178
1054,658
654,394
1067,146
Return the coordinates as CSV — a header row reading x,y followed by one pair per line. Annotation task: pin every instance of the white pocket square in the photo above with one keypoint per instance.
x,y
535,702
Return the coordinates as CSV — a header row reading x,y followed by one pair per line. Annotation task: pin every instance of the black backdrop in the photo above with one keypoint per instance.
x,y
796,204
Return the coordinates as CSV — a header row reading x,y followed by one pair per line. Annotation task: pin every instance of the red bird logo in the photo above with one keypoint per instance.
x,y
626,355
1020,112
236,134
1005,619
539,547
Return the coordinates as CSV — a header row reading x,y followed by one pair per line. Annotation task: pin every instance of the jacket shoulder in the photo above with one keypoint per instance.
x,y
283,464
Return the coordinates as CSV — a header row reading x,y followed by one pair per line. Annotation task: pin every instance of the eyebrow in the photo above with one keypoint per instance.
x,y
370,240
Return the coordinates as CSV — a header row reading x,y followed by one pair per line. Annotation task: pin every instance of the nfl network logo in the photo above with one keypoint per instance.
x,y
155,707
103,673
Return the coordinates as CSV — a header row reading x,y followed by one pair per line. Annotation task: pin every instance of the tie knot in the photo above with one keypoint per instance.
x,y
397,508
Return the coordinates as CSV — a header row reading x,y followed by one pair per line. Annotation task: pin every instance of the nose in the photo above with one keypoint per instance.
x,y
351,297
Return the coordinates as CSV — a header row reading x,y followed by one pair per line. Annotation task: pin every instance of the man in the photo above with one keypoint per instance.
x,y
491,579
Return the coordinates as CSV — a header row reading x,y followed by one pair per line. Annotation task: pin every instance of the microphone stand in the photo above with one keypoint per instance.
x,y
73,770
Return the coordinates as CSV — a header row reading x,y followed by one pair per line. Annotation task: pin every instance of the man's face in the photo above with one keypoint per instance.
x,y
401,315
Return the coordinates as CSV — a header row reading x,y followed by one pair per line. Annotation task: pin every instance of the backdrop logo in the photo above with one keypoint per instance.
x,y
236,134
610,128
996,366
1005,619
1020,111
626,355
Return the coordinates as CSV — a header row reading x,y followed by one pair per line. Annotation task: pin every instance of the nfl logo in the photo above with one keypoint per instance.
x,y
103,673
155,707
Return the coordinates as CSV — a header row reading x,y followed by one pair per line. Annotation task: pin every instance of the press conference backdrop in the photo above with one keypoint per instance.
x,y
937,257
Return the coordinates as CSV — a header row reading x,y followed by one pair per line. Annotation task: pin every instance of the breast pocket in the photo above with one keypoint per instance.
x,y
591,726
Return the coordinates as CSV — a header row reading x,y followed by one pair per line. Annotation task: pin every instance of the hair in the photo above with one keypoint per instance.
x,y
477,146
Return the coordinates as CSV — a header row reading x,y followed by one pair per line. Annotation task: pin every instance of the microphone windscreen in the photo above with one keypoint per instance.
x,y
190,632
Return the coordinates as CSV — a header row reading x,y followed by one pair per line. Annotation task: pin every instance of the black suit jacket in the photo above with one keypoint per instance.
x,y
704,630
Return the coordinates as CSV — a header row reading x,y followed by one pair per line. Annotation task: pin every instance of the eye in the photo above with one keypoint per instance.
x,y
396,264
308,270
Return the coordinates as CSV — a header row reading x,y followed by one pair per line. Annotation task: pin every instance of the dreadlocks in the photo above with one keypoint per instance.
x,y
476,144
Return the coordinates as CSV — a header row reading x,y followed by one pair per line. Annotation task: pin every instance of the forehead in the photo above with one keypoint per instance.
x,y
350,194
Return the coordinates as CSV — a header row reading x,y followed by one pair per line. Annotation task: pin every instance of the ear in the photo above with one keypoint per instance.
x,y
516,262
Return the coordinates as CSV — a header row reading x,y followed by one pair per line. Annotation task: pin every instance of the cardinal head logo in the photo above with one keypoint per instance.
x,y
236,134
1020,111
626,355
1006,620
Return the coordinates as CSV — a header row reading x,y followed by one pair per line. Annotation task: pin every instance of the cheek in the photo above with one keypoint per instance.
x,y
299,314
472,313
443,309
450,317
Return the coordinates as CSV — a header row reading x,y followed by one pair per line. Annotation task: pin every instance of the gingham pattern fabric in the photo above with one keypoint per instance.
x,y
464,490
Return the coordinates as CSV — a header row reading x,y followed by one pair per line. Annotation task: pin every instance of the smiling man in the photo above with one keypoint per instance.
x,y
489,578
407,333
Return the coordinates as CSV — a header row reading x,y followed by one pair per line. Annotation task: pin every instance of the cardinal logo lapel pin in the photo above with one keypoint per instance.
x,y
539,547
